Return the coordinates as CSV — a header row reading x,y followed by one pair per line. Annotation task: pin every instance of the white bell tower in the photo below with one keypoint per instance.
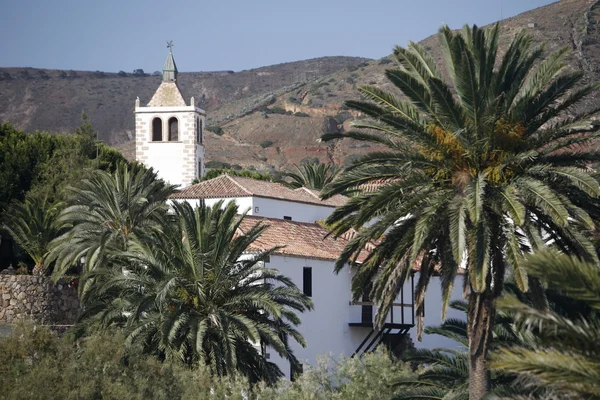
x,y
169,135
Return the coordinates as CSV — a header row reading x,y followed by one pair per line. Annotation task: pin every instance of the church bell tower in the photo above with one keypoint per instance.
x,y
169,134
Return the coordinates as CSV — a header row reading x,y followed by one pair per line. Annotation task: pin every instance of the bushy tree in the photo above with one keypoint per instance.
x,y
483,163
35,364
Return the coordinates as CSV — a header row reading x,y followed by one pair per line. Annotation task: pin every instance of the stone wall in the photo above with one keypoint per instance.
x,y
37,298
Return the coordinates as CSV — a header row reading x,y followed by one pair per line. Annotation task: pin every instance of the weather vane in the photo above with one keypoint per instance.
x,y
170,45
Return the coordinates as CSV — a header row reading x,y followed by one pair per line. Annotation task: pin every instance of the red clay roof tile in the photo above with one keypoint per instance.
x,y
234,186
300,239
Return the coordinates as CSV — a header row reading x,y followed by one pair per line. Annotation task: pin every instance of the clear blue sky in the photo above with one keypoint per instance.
x,y
111,35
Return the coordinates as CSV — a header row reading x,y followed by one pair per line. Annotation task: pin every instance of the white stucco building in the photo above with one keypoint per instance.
x,y
169,134
262,198
170,138
337,325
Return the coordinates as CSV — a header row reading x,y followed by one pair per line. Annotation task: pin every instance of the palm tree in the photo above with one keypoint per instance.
x,y
33,224
567,356
198,292
445,372
312,176
105,212
481,167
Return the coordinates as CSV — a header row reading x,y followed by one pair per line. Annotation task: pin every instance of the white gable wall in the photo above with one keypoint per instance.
x,y
301,212
433,313
244,203
273,208
325,328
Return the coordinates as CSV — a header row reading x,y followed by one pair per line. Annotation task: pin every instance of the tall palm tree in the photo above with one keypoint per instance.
x,y
105,212
33,224
312,176
444,372
195,292
484,162
567,356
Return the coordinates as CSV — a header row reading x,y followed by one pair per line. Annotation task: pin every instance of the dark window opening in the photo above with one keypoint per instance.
x,y
198,131
287,218
199,169
173,130
157,130
307,281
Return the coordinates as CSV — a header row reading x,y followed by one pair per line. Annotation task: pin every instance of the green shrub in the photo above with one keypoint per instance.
x,y
217,130
276,110
266,143
217,164
301,114
35,363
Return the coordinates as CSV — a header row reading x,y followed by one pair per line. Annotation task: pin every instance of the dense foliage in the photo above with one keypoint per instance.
x,y
192,292
565,355
484,162
104,213
43,164
214,172
40,166
37,364
33,224
313,176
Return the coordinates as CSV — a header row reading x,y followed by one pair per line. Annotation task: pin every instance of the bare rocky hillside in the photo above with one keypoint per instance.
x,y
312,93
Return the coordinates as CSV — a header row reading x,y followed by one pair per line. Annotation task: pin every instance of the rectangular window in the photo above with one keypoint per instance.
x,y
287,218
307,281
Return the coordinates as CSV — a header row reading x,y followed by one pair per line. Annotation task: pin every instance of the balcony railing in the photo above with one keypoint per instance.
x,y
401,314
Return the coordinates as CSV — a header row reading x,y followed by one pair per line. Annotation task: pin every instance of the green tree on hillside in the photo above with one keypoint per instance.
x,y
192,292
483,163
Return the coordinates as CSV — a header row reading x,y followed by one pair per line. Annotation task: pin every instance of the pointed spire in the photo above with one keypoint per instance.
x,y
170,69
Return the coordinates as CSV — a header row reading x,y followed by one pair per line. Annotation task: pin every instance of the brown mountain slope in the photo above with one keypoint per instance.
x,y
569,23
53,99
234,102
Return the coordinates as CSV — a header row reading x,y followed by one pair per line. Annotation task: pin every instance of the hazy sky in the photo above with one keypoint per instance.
x,y
111,35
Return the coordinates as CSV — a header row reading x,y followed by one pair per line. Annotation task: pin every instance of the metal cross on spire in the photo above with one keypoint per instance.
x,y
170,45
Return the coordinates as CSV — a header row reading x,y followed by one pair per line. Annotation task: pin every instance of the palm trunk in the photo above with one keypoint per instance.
x,y
38,269
480,320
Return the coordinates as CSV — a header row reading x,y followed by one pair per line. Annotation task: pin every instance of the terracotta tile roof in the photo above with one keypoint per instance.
x,y
301,239
234,186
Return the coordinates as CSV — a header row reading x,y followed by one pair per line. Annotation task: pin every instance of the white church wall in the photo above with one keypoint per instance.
x,y
243,203
433,313
325,328
177,162
301,212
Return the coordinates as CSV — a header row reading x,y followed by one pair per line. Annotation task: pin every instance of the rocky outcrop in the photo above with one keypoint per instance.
x,y
37,298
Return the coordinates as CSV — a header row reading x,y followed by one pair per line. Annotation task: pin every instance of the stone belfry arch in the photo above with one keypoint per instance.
x,y
169,134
